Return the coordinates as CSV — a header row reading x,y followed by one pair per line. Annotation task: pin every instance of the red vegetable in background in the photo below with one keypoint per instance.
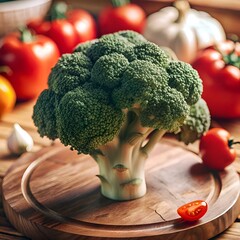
x,y
66,28
219,69
30,59
193,211
122,15
84,24
216,149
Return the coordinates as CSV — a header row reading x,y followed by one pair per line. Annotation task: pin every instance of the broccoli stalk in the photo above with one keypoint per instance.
x,y
114,98
121,161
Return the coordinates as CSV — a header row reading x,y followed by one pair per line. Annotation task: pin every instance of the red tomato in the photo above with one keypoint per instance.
x,y
60,31
84,24
126,17
230,76
67,28
30,60
193,211
221,80
216,150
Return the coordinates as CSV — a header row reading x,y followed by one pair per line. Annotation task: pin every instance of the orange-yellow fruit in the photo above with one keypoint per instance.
x,y
7,96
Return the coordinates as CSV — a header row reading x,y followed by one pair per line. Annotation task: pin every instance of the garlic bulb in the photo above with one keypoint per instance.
x,y
184,30
19,140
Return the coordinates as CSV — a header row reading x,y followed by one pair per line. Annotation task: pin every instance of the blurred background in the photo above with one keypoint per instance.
x,y
12,12
226,11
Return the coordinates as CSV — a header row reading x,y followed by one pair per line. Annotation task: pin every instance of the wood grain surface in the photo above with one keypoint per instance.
x,y
22,115
54,193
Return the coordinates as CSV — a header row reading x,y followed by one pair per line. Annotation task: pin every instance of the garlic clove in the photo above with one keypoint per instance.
x,y
19,140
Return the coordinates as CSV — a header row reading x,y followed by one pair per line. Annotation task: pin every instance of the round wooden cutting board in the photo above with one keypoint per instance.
x,y
55,194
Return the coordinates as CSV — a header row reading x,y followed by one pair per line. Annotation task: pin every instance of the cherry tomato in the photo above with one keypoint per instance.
x,y
216,150
218,68
126,16
30,59
193,211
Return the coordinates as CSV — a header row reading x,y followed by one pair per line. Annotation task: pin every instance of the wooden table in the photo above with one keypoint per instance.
x,y
22,115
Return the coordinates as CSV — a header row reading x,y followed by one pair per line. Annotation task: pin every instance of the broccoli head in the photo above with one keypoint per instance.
x,y
113,94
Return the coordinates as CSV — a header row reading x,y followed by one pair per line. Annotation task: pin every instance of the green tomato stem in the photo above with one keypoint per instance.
x,y
119,3
231,59
58,11
231,142
26,35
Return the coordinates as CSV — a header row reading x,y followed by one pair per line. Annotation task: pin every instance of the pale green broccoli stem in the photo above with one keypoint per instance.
x,y
121,161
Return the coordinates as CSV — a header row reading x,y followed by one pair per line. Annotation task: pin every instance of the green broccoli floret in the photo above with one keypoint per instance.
x,y
92,122
138,82
186,80
108,69
151,53
197,122
114,98
132,37
71,71
111,43
171,116
44,114
84,47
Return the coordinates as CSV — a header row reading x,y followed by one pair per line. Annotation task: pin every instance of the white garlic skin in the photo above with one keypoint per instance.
x,y
19,140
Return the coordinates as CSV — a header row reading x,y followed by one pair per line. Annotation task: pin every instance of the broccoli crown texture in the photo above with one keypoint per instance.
x,y
92,121
196,123
91,90
44,114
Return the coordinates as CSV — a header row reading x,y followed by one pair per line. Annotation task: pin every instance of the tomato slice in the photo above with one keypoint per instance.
x,y
193,211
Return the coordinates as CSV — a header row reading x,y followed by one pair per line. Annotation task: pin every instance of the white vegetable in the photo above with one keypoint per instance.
x,y
19,140
184,30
